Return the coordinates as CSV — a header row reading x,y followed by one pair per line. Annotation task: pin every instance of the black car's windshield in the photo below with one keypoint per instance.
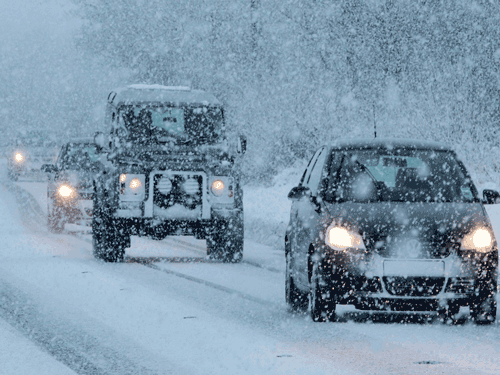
x,y
401,175
78,156
161,124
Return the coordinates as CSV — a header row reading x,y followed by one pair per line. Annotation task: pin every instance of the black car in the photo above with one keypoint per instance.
x,y
390,225
70,185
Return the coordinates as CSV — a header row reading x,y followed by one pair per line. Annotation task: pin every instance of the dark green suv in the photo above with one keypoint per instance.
x,y
168,170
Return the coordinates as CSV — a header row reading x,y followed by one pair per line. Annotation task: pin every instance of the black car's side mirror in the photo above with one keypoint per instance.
x,y
491,196
298,192
242,145
48,168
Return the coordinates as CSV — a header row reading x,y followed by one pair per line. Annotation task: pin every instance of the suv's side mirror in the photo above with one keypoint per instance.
x,y
48,168
491,196
100,141
298,192
242,144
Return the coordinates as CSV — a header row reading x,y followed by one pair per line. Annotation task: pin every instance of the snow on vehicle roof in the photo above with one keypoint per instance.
x,y
389,143
140,93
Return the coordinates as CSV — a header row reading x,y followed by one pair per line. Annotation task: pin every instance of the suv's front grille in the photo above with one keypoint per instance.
x,y
172,189
413,286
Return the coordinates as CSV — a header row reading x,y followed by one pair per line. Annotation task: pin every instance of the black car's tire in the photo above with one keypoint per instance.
x,y
321,301
226,241
296,300
484,310
108,243
55,222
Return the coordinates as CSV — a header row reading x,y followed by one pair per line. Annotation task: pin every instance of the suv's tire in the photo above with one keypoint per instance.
x,y
484,310
225,243
107,243
321,302
55,222
295,299
13,176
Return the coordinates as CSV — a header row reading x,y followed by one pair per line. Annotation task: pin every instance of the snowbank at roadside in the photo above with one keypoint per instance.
x,y
267,208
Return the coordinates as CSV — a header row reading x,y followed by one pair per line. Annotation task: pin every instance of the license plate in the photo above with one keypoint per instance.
x,y
408,268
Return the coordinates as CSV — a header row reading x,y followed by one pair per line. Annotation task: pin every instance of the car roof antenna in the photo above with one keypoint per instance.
x,y
374,123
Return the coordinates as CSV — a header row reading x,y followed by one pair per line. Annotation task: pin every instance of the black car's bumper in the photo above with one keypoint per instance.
x,y
365,281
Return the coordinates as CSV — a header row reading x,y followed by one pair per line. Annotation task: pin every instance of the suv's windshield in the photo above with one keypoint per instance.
x,y
400,175
162,124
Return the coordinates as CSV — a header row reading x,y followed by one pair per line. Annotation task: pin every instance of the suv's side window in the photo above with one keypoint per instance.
x,y
316,172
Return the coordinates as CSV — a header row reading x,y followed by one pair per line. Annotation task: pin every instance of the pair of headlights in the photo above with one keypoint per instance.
x,y
338,238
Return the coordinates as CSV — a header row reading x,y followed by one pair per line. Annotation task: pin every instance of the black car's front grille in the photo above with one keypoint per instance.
x,y
413,286
178,189
432,247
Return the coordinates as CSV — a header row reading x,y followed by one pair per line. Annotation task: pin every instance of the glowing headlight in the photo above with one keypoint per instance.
x,y
135,184
218,187
65,191
19,157
340,239
479,240
123,178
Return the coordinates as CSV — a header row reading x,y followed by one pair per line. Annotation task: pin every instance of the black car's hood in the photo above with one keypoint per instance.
x,y
414,230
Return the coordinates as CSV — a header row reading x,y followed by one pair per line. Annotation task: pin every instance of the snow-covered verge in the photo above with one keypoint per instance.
x,y
267,208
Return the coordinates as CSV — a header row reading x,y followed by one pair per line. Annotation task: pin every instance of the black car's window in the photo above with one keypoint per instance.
x,y
316,172
401,175
307,172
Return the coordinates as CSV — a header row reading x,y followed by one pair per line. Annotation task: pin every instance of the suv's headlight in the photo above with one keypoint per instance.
x,y
222,186
480,239
132,187
339,239
18,157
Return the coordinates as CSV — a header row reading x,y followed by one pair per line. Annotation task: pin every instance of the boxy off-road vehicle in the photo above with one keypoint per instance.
x,y
167,169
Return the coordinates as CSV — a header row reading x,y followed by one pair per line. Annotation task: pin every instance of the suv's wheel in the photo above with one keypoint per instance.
x,y
295,299
107,243
484,310
55,221
226,241
448,315
321,301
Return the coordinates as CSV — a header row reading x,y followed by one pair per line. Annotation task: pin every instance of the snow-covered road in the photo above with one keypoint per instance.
x,y
169,310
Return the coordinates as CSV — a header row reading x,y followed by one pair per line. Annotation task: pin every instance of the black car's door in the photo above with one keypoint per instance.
x,y
306,218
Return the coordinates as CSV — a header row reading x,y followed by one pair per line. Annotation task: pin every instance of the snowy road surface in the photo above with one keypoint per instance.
x,y
167,310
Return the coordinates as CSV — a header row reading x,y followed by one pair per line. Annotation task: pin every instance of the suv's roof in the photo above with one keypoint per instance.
x,y
161,94
389,143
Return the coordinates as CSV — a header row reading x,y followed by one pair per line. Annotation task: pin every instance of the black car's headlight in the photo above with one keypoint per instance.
x,y
480,239
339,238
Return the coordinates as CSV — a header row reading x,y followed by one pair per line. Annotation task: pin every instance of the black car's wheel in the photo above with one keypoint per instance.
x,y
484,310
295,299
226,242
108,243
321,301
55,222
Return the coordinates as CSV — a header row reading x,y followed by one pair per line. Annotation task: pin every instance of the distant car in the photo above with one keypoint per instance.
x,y
390,225
70,186
27,154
